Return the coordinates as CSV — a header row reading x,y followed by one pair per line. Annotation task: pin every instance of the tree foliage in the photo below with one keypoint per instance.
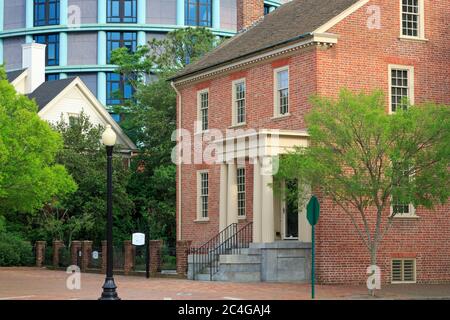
x,y
29,174
151,118
363,159
83,213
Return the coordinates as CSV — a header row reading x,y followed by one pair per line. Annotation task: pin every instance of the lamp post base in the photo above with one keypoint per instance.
x,y
109,290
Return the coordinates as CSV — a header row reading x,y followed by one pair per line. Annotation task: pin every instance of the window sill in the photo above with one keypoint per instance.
x,y
405,217
202,220
280,117
242,218
416,39
239,125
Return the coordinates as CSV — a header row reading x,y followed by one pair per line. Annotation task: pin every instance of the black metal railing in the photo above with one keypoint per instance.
x,y
228,241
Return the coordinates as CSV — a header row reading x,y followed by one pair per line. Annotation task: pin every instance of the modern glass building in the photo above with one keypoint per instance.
x,y
80,34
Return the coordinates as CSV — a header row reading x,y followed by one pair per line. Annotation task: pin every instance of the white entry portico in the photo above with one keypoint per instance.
x,y
261,149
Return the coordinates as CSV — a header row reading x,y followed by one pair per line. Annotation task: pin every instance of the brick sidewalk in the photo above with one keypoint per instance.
x,y
34,283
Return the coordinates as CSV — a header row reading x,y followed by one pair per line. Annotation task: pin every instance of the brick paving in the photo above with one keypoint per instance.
x,y
43,284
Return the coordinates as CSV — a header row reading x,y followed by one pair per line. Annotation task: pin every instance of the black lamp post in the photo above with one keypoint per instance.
x,y
109,287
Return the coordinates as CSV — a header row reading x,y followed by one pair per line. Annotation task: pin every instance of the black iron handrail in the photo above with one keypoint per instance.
x,y
228,241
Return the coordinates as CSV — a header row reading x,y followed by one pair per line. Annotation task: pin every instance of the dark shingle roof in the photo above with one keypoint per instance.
x,y
48,91
12,75
290,22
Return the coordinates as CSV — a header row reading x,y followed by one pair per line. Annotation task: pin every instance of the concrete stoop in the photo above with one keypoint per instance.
x,y
279,261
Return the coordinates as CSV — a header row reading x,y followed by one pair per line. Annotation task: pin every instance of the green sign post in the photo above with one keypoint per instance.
x,y
312,214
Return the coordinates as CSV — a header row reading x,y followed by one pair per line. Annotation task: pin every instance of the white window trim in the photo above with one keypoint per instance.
x,y
199,128
411,81
421,35
276,101
411,214
245,191
415,270
234,122
199,217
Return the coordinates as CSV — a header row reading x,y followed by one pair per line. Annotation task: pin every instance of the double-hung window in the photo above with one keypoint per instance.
x,y
281,91
239,95
46,12
241,192
198,13
118,89
401,88
115,40
203,109
412,18
401,208
203,194
52,49
121,11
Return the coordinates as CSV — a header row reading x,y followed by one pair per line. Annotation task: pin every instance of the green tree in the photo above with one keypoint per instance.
x,y
83,213
29,175
365,159
151,118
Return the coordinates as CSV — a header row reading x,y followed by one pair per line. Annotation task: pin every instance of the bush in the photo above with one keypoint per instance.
x,y
14,251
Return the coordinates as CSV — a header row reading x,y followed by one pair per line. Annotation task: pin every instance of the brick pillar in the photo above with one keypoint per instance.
x,y
104,256
248,12
75,246
40,253
86,252
57,245
155,247
128,256
182,256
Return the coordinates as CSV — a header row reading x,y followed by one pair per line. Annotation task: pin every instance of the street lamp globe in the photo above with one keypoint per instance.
x,y
109,137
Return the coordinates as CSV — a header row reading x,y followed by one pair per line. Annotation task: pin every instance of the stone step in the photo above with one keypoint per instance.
x,y
238,276
239,259
202,277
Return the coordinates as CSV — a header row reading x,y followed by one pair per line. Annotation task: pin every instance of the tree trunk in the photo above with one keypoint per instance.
x,y
373,262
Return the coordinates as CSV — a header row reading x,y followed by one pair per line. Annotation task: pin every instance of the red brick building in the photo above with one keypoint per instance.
x,y
262,78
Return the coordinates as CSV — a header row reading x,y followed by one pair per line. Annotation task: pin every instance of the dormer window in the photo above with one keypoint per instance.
x,y
412,19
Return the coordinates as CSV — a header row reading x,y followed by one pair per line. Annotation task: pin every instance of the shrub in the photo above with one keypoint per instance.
x,y
14,251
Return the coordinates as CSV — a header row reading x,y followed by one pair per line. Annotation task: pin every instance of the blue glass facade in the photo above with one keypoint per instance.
x,y
80,34
46,12
52,50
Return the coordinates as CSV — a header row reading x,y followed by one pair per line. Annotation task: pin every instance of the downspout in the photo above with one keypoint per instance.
x,y
179,166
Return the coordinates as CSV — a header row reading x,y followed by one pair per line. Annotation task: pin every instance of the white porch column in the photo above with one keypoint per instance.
x,y
304,228
268,217
232,214
257,213
223,196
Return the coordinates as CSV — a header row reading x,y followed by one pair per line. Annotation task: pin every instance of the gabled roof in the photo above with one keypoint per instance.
x,y
292,21
48,90
13,75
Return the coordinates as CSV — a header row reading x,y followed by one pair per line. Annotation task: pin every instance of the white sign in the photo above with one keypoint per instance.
x,y
138,239
95,255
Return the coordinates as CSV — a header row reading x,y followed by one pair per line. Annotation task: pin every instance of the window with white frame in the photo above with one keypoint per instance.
x,y
241,191
203,105
412,18
400,208
401,87
282,91
203,193
239,93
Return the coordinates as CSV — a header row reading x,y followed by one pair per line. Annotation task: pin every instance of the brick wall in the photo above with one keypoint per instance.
x,y
362,56
360,62
248,12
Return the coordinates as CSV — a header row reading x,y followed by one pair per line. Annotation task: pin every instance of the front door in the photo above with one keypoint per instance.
x,y
290,210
